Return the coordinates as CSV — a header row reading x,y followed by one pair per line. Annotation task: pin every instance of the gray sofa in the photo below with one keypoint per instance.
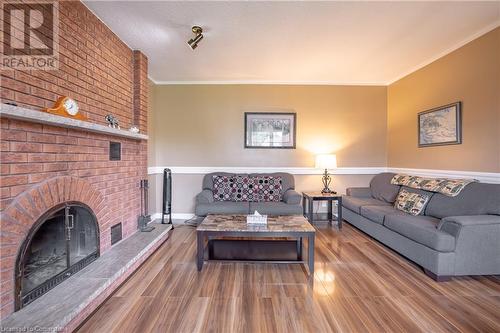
x,y
291,204
454,235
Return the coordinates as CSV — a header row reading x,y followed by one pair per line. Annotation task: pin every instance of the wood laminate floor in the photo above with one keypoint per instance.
x,y
359,286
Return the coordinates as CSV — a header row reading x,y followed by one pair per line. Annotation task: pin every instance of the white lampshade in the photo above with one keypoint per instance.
x,y
326,161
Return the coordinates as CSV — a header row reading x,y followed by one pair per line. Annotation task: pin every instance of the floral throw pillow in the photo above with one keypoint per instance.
x,y
411,203
223,188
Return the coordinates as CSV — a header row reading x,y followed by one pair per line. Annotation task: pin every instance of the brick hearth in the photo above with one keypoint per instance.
x,y
43,165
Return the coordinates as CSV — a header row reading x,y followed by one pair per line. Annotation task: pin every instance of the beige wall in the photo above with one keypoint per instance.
x,y
470,74
202,125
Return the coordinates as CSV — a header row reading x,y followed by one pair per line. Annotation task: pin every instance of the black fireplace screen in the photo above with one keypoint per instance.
x,y
62,242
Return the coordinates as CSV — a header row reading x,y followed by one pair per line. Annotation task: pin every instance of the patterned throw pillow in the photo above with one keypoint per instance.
x,y
244,189
267,188
223,188
411,203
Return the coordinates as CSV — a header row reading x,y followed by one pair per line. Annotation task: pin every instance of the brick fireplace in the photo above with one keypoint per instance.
x,y
45,166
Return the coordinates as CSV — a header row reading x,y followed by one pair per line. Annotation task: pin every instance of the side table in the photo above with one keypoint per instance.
x,y
307,205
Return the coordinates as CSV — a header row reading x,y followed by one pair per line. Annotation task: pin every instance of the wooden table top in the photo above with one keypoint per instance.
x,y
238,223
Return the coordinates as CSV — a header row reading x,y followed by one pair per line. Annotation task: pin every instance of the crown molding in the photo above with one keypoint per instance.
x,y
267,82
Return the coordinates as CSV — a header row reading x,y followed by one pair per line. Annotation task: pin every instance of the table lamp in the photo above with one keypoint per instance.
x,y
326,161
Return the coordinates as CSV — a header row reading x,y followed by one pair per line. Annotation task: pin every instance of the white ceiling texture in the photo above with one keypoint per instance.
x,y
294,42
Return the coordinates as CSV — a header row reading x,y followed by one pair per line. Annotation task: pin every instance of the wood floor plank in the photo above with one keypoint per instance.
x,y
359,286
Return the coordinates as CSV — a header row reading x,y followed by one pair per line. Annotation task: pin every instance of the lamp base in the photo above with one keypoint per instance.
x,y
326,179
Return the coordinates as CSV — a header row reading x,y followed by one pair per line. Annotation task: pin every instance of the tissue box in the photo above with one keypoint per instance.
x,y
257,219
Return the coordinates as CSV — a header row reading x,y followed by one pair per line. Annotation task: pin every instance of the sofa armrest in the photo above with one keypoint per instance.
x,y
360,192
205,196
455,224
470,220
292,197
477,250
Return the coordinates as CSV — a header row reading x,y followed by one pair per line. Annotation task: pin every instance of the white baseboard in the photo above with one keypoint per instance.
x,y
486,177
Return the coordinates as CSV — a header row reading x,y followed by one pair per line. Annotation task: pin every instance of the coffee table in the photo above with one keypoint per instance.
x,y
235,226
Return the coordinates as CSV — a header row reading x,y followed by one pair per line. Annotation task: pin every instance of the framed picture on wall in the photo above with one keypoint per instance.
x,y
440,126
270,130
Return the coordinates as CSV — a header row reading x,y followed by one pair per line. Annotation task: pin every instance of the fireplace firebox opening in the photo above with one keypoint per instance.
x,y
60,243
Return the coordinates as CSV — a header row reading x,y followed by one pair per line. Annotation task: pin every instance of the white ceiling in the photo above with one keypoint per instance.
x,y
294,42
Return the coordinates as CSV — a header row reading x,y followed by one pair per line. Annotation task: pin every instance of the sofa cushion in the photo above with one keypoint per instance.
x,y
222,207
421,229
275,208
382,189
222,187
411,202
355,204
474,199
378,213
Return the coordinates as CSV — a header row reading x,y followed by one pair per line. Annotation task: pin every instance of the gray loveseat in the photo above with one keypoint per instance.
x,y
290,205
454,235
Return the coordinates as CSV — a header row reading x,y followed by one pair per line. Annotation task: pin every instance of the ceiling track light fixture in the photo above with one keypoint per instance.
x,y
198,32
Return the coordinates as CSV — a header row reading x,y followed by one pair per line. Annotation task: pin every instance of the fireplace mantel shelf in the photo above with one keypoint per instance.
x,y
20,113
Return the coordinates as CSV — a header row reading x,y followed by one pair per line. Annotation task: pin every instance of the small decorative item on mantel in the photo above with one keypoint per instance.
x,y
112,121
326,161
66,107
257,219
